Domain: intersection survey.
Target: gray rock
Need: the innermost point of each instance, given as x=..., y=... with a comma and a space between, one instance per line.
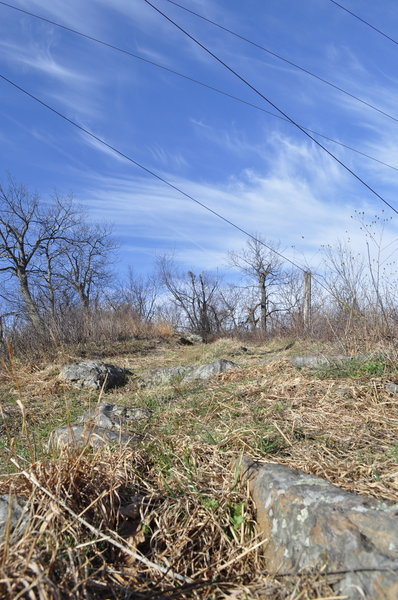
x=311, y=523
x=165, y=375
x=112, y=416
x=13, y=515
x=392, y=388
x=82, y=435
x=187, y=374
x=93, y=373
x=194, y=338
x=343, y=392
x=185, y=342
x=206, y=371
x=318, y=360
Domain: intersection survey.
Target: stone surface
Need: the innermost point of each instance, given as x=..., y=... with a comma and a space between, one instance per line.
x=13, y=515
x=185, y=374
x=206, y=371
x=194, y=338
x=81, y=435
x=318, y=360
x=343, y=392
x=165, y=375
x=112, y=416
x=312, y=523
x=185, y=341
x=392, y=388
x=93, y=373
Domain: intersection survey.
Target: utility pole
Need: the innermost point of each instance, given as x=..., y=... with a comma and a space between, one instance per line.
x=307, y=300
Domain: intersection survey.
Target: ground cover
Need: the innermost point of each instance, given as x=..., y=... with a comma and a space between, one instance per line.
x=188, y=513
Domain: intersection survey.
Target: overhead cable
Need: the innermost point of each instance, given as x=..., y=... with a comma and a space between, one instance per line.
x=364, y=21
x=274, y=54
x=285, y=60
x=280, y=111
x=193, y=80
x=157, y=176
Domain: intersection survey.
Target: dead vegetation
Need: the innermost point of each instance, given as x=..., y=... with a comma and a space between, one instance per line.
x=170, y=518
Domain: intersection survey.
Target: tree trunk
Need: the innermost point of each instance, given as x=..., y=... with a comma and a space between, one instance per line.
x=263, y=302
x=307, y=301
x=30, y=306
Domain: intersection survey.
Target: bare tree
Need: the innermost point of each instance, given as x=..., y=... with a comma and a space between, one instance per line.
x=84, y=260
x=345, y=276
x=139, y=293
x=262, y=267
x=26, y=229
x=195, y=295
x=46, y=250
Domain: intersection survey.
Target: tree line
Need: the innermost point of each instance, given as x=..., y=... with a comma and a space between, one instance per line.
x=56, y=277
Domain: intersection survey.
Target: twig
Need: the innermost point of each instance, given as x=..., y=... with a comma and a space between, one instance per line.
x=241, y=555
x=282, y=434
x=97, y=532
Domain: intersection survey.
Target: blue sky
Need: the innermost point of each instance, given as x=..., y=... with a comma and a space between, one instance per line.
x=258, y=171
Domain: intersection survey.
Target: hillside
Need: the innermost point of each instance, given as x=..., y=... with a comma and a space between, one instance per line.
x=175, y=497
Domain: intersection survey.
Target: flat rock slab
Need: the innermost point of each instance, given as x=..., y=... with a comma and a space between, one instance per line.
x=311, y=523
x=184, y=374
x=93, y=374
x=88, y=435
x=13, y=517
x=165, y=375
x=318, y=360
x=112, y=416
x=392, y=388
x=206, y=371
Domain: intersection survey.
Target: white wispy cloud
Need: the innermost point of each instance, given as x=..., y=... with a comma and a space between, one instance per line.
x=166, y=158
x=284, y=202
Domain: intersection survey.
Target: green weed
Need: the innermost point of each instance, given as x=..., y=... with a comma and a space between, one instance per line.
x=356, y=367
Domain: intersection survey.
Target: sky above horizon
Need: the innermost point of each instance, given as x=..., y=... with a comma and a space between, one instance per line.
x=257, y=170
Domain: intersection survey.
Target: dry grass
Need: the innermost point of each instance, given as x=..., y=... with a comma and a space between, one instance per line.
x=176, y=500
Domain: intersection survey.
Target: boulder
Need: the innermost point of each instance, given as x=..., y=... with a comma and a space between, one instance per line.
x=93, y=373
x=185, y=342
x=392, y=388
x=13, y=515
x=165, y=375
x=343, y=392
x=318, y=360
x=311, y=523
x=112, y=416
x=89, y=435
x=206, y=371
x=185, y=374
x=194, y=338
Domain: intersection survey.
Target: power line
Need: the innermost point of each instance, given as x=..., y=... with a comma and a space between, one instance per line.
x=193, y=80
x=160, y=178
x=280, y=111
x=274, y=54
x=364, y=21
x=285, y=60
x=146, y=169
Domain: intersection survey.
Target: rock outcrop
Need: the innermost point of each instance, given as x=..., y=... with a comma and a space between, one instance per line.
x=112, y=416
x=94, y=374
x=206, y=371
x=104, y=424
x=318, y=360
x=311, y=523
x=73, y=436
x=165, y=375
x=13, y=517
x=184, y=374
